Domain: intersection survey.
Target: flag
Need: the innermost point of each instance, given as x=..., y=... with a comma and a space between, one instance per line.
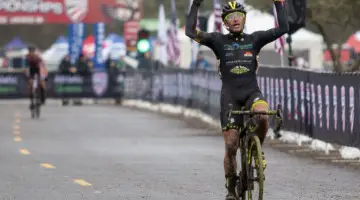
x=173, y=45
x=217, y=15
x=162, y=55
x=280, y=42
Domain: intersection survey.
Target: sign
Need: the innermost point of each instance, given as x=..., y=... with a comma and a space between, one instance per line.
x=131, y=29
x=99, y=33
x=68, y=11
x=100, y=82
x=76, y=36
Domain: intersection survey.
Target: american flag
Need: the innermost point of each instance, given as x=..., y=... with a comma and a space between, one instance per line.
x=280, y=42
x=217, y=13
x=173, y=45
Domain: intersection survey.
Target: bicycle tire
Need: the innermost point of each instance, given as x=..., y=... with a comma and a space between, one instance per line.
x=241, y=184
x=255, y=154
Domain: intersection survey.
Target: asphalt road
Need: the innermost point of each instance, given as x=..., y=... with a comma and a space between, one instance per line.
x=105, y=152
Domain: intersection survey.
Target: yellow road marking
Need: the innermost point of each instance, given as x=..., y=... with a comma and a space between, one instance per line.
x=82, y=182
x=16, y=132
x=17, y=139
x=47, y=165
x=16, y=127
x=25, y=151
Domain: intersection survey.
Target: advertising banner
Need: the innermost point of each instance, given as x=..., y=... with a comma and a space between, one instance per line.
x=76, y=36
x=99, y=34
x=68, y=11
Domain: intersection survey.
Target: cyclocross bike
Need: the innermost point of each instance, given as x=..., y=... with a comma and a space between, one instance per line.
x=35, y=101
x=251, y=158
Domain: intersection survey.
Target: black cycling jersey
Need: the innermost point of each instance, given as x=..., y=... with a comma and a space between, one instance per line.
x=237, y=52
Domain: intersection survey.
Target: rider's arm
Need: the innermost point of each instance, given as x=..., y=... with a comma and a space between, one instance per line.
x=193, y=33
x=265, y=37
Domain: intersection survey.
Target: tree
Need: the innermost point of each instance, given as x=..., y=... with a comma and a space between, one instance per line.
x=335, y=20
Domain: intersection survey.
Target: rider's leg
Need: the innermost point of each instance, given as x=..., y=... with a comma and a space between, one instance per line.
x=42, y=91
x=258, y=103
x=231, y=142
x=231, y=145
x=30, y=86
x=263, y=124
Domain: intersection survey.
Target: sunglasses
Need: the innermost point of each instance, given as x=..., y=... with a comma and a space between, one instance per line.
x=234, y=15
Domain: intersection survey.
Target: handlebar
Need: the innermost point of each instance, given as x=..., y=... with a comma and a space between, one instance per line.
x=277, y=113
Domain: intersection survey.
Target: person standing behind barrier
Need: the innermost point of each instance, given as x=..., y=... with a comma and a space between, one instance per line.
x=200, y=62
x=121, y=65
x=145, y=64
x=82, y=65
x=65, y=65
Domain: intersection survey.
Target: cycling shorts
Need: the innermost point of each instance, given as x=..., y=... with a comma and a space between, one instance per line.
x=236, y=121
x=35, y=71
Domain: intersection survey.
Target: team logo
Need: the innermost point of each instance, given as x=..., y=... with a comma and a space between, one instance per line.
x=327, y=105
x=100, y=82
x=335, y=107
x=296, y=109
x=76, y=10
x=248, y=54
x=320, y=105
x=351, y=111
x=239, y=70
x=343, y=108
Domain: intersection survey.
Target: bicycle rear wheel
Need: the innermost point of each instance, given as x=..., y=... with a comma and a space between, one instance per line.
x=255, y=171
x=37, y=103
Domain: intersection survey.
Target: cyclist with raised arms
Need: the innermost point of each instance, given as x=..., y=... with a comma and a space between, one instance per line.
x=237, y=53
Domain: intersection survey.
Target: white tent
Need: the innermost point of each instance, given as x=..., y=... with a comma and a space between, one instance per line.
x=301, y=40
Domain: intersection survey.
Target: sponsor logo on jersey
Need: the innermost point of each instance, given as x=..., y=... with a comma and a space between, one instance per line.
x=248, y=54
x=239, y=70
x=236, y=46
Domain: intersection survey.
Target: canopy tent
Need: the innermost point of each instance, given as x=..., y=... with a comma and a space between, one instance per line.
x=117, y=47
x=57, y=51
x=15, y=44
x=303, y=39
x=354, y=41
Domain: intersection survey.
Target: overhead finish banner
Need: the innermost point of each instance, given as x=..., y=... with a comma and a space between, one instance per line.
x=68, y=11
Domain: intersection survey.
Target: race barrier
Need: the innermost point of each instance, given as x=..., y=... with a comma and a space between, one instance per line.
x=323, y=106
x=92, y=85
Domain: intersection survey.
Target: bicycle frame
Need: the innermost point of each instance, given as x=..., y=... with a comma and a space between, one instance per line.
x=245, y=177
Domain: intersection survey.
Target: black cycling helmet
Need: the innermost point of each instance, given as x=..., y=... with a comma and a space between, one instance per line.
x=31, y=48
x=232, y=6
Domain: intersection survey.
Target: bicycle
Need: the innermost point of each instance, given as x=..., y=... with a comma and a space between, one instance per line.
x=251, y=154
x=35, y=101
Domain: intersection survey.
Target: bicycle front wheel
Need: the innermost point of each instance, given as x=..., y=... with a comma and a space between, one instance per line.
x=255, y=170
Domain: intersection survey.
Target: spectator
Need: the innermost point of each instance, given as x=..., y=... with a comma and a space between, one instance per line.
x=109, y=63
x=121, y=65
x=65, y=65
x=145, y=63
x=82, y=65
x=200, y=62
